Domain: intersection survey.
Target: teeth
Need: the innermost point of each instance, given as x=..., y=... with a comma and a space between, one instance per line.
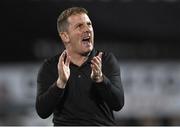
x=86, y=38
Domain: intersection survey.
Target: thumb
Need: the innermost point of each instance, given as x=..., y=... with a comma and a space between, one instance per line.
x=100, y=54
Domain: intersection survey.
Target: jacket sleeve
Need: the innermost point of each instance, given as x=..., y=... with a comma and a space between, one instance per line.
x=48, y=94
x=111, y=89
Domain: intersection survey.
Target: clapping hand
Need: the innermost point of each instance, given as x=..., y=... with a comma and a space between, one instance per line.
x=63, y=69
x=96, y=65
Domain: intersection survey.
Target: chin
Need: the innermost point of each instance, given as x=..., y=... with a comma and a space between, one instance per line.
x=87, y=52
x=89, y=49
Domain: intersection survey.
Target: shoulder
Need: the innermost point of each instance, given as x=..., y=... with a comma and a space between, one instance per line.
x=109, y=59
x=49, y=64
x=51, y=60
x=110, y=64
x=108, y=56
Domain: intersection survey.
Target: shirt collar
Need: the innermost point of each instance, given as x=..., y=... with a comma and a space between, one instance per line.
x=92, y=54
x=88, y=61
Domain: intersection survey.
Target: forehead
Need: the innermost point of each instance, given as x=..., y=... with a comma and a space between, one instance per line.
x=78, y=18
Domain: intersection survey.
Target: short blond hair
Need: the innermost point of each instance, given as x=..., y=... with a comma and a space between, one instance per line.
x=62, y=22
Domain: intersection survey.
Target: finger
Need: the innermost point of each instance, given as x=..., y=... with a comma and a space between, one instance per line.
x=93, y=70
x=93, y=67
x=62, y=57
x=96, y=66
x=96, y=59
x=100, y=54
x=67, y=62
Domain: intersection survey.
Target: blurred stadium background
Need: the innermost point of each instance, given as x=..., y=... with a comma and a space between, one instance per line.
x=143, y=34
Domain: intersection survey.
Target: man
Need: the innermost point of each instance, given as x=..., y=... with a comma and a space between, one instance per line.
x=80, y=86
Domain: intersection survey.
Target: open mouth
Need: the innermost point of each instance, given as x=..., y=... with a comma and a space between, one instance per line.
x=86, y=41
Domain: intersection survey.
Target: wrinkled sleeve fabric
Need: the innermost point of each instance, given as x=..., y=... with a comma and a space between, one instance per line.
x=48, y=94
x=111, y=89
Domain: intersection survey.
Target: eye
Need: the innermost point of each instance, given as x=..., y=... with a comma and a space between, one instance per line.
x=79, y=26
x=89, y=23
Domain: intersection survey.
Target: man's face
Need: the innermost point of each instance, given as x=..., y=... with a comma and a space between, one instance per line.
x=80, y=33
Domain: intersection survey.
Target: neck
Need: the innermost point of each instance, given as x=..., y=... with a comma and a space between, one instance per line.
x=78, y=59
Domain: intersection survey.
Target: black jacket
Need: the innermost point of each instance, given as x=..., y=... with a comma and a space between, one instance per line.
x=82, y=102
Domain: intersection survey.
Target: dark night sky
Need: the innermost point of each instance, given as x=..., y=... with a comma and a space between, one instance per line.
x=24, y=21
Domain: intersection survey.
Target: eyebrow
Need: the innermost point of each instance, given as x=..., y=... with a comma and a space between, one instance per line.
x=88, y=22
x=76, y=25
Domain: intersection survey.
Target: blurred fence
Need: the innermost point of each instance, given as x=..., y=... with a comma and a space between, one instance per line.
x=151, y=91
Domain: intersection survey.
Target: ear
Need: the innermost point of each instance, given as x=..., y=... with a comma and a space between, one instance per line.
x=65, y=37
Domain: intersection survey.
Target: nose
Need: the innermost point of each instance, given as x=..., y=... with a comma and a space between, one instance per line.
x=87, y=28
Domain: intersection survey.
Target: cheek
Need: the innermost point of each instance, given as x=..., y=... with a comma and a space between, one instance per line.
x=77, y=38
x=77, y=44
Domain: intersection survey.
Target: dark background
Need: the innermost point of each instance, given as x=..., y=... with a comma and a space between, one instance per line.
x=145, y=29
x=143, y=34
